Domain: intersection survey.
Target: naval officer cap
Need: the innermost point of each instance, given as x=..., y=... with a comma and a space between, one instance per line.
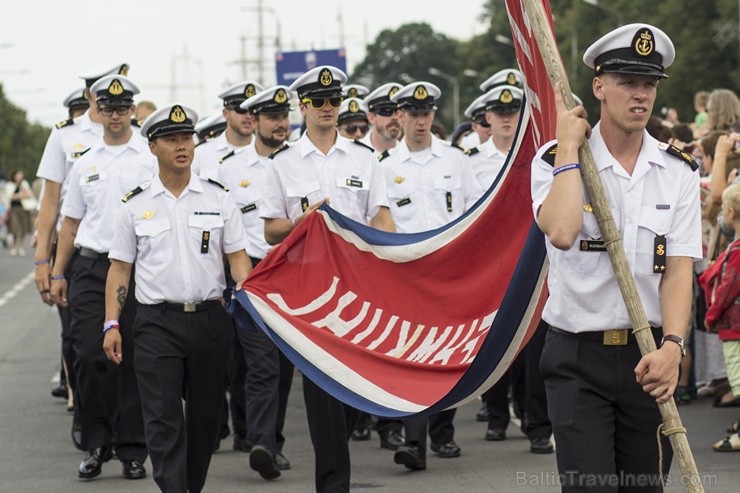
x=639, y=49
x=505, y=77
x=240, y=92
x=273, y=100
x=114, y=89
x=477, y=108
x=355, y=91
x=320, y=82
x=352, y=109
x=172, y=119
x=96, y=73
x=503, y=99
x=76, y=99
x=210, y=125
x=417, y=96
x=381, y=97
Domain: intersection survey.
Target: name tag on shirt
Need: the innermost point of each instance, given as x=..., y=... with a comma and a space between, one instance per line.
x=592, y=246
x=248, y=208
x=403, y=202
x=354, y=183
x=92, y=178
x=207, y=213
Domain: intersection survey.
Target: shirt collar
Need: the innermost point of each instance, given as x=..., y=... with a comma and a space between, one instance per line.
x=649, y=152
x=158, y=187
x=306, y=147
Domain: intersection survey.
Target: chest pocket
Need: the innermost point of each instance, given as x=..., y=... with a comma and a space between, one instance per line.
x=652, y=222
x=308, y=192
x=448, y=191
x=153, y=239
x=206, y=233
x=94, y=185
x=585, y=259
x=403, y=200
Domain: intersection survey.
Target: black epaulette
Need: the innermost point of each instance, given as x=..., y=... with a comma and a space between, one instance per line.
x=279, y=150
x=683, y=156
x=549, y=155
x=227, y=156
x=214, y=182
x=200, y=143
x=383, y=155
x=472, y=151
x=135, y=123
x=135, y=191
x=363, y=145
x=65, y=123
x=457, y=146
x=82, y=153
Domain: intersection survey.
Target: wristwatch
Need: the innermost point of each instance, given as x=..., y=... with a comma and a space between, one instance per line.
x=678, y=340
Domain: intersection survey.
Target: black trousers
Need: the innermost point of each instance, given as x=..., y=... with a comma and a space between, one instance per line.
x=537, y=423
x=330, y=424
x=286, y=380
x=68, y=353
x=108, y=396
x=181, y=354
x=441, y=429
x=604, y=423
x=497, y=397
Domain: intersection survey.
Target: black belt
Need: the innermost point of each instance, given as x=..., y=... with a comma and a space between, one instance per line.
x=611, y=337
x=196, y=306
x=89, y=253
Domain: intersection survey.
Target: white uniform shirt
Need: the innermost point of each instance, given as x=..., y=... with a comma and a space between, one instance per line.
x=165, y=236
x=470, y=140
x=487, y=163
x=243, y=173
x=429, y=189
x=208, y=156
x=96, y=186
x=660, y=198
x=64, y=146
x=349, y=175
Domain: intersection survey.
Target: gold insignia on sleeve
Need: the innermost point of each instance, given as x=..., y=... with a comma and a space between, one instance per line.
x=245, y=183
x=421, y=93
x=398, y=180
x=148, y=214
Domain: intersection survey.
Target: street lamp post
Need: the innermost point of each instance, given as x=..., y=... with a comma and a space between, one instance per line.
x=455, y=92
x=611, y=10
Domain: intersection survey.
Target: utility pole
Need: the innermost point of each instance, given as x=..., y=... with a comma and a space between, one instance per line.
x=259, y=60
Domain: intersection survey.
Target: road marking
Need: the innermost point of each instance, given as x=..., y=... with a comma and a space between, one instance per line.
x=12, y=292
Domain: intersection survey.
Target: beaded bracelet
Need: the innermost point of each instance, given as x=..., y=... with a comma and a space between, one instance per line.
x=565, y=167
x=57, y=278
x=110, y=324
x=41, y=262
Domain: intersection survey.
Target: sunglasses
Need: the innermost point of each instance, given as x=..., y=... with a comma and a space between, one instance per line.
x=319, y=103
x=108, y=110
x=482, y=122
x=239, y=110
x=387, y=111
x=354, y=128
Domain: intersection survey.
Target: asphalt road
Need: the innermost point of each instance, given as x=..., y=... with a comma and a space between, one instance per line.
x=36, y=453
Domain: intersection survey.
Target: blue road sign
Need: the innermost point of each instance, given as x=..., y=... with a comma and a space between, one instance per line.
x=289, y=65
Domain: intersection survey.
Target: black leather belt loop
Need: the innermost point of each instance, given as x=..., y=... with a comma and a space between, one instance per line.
x=89, y=253
x=602, y=336
x=196, y=306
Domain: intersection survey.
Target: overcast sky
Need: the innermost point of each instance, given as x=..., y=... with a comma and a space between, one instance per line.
x=45, y=45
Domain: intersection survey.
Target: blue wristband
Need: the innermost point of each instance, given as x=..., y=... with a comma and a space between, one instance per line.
x=565, y=167
x=41, y=262
x=57, y=278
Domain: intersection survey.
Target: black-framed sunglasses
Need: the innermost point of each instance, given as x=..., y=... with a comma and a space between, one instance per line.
x=238, y=109
x=385, y=111
x=318, y=103
x=482, y=122
x=354, y=128
x=108, y=110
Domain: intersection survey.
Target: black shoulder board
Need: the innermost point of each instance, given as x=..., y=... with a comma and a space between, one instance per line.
x=683, y=156
x=214, y=182
x=363, y=145
x=549, y=155
x=457, y=146
x=200, y=143
x=135, y=191
x=472, y=151
x=82, y=153
x=383, y=155
x=64, y=123
x=226, y=157
x=278, y=150
x=135, y=123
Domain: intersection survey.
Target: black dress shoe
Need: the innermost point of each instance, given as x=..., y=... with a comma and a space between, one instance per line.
x=282, y=463
x=495, y=434
x=361, y=434
x=77, y=436
x=391, y=440
x=242, y=444
x=483, y=414
x=411, y=456
x=133, y=469
x=446, y=450
x=262, y=460
x=92, y=464
x=541, y=446
x=60, y=391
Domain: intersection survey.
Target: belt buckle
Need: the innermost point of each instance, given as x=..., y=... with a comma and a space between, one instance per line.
x=189, y=307
x=616, y=337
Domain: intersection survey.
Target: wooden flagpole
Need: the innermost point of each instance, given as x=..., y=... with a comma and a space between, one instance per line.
x=673, y=427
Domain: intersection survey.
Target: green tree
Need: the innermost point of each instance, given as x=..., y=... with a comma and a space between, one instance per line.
x=21, y=144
